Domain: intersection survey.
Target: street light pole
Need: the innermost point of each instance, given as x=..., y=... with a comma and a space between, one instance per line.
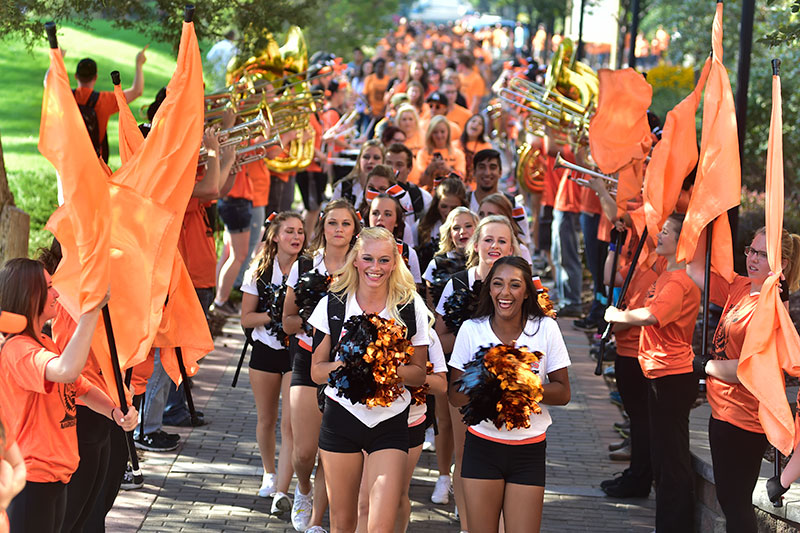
x=580, y=32
x=634, y=33
x=742, y=85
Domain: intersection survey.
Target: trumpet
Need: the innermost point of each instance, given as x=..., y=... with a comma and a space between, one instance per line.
x=257, y=151
x=563, y=163
x=260, y=125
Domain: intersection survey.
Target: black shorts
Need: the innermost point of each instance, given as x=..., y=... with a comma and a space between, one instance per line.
x=312, y=188
x=521, y=464
x=267, y=359
x=341, y=432
x=416, y=434
x=235, y=213
x=301, y=367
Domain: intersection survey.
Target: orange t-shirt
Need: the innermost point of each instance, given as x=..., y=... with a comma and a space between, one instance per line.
x=472, y=86
x=459, y=115
x=453, y=157
x=374, y=89
x=44, y=426
x=455, y=129
x=732, y=402
x=628, y=339
x=242, y=186
x=317, y=125
x=415, y=143
x=590, y=202
x=568, y=196
x=665, y=348
x=329, y=119
x=472, y=148
x=106, y=106
x=259, y=177
x=552, y=177
x=196, y=245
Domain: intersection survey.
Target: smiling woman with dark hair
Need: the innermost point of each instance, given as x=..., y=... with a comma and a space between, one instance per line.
x=503, y=470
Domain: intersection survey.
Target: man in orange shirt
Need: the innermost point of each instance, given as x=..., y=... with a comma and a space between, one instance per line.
x=472, y=84
x=375, y=87
x=455, y=113
x=103, y=104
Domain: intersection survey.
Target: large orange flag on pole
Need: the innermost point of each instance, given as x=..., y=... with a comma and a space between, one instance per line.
x=673, y=158
x=718, y=185
x=82, y=223
x=771, y=344
x=619, y=133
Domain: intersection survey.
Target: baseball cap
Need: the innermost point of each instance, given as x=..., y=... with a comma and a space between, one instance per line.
x=437, y=98
x=12, y=322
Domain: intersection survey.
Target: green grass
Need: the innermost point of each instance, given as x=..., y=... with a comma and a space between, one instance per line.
x=31, y=177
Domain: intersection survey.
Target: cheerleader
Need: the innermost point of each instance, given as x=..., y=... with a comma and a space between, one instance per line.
x=381, y=179
x=735, y=434
x=386, y=212
x=494, y=238
x=352, y=186
x=270, y=360
x=450, y=258
x=499, y=204
x=448, y=194
x=373, y=280
x=333, y=238
x=503, y=471
x=665, y=355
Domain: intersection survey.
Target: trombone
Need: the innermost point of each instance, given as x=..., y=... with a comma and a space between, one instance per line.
x=563, y=163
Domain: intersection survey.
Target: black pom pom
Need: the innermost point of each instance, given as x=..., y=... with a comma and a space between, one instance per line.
x=444, y=270
x=354, y=379
x=483, y=389
x=459, y=306
x=310, y=289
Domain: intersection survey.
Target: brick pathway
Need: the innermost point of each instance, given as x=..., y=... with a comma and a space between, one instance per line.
x=210, y=482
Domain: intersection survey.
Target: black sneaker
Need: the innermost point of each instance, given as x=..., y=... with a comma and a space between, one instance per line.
x=775, y=490
x=158, y=441
x=627, y=488
x=131, y=481
x=585, y=324
x=617, y=477
x=571, y=310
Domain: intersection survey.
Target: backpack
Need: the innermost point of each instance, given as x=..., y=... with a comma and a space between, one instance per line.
x=347, y=192
x=92, y=123
x=417, y=202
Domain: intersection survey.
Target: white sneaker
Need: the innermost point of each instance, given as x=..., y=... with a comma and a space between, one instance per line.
x=301, y=510
x=316, y=529
x=441, y=492
x=430, y=441
x=267, y=485
x=281, y=504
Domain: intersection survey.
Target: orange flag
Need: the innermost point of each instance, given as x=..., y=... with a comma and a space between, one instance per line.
x=673, y=158
x=771, y=344
x=130, y=136
x=83, y=231
x=619, y=134
x=718, y=185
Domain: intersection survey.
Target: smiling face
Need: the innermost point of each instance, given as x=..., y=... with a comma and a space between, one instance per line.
x=375, y=262
x=417, y=71
x=508, y=292
x=462, y=230
x=383, y=213
x=49, y=311
x=290, y=236
x=487, y=173
x=494, y=242
x=446, y=204
x=339, y=228
x=370, y=158
x=440, y=136
x=414, y=93
x=668, y=238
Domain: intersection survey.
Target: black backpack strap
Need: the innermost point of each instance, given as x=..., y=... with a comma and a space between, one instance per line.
x=417, y=202
x=336, y=310
x=347, y=192
x=304, y=264
x=462, y=278
x=409, y=315
x=92, y=101
x=511, y=199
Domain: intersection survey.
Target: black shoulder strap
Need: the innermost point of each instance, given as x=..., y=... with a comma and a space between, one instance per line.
x=461, y=278
x=336, y=310
x=304, y=264
x=409, y=315
x=510, y=199
x=92, y=101
x=417, y=202
x=347, y=191
x=404, y=251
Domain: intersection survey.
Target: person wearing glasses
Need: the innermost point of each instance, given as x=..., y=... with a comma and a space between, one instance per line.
x=734, y=432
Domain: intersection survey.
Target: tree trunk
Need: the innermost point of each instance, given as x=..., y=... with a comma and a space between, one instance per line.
x=14, y=222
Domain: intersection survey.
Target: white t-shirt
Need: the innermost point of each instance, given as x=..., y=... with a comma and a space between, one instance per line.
x=435, y=356
x=294, y=276
x=357, y=192
x=413, y=264
x=541, y=335
x=371, y=416
x=250, y=286
x=448, y=289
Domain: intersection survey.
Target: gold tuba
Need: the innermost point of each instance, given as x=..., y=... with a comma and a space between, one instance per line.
x=530, y=170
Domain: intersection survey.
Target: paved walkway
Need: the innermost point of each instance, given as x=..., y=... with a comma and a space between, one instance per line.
x=210, y=482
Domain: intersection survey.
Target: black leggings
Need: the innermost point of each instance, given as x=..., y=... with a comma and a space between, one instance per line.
x=40, y=507
x=736, y=454
x=632, y=386
x=670, y=399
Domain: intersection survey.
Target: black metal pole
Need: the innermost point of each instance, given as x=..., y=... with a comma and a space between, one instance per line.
x=241, y=360
x=614, y=262
x=186, y=388
x=622, y=292
x=123, y=402
x=777, y=471
x=633, y=34
x=580, y=32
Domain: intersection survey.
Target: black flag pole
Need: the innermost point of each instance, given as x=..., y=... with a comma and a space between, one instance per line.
x=186, y=388
x=607, y=333
x=614, y=262
x=241, y=358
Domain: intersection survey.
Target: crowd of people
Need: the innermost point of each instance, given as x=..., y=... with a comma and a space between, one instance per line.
x=425, y=225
